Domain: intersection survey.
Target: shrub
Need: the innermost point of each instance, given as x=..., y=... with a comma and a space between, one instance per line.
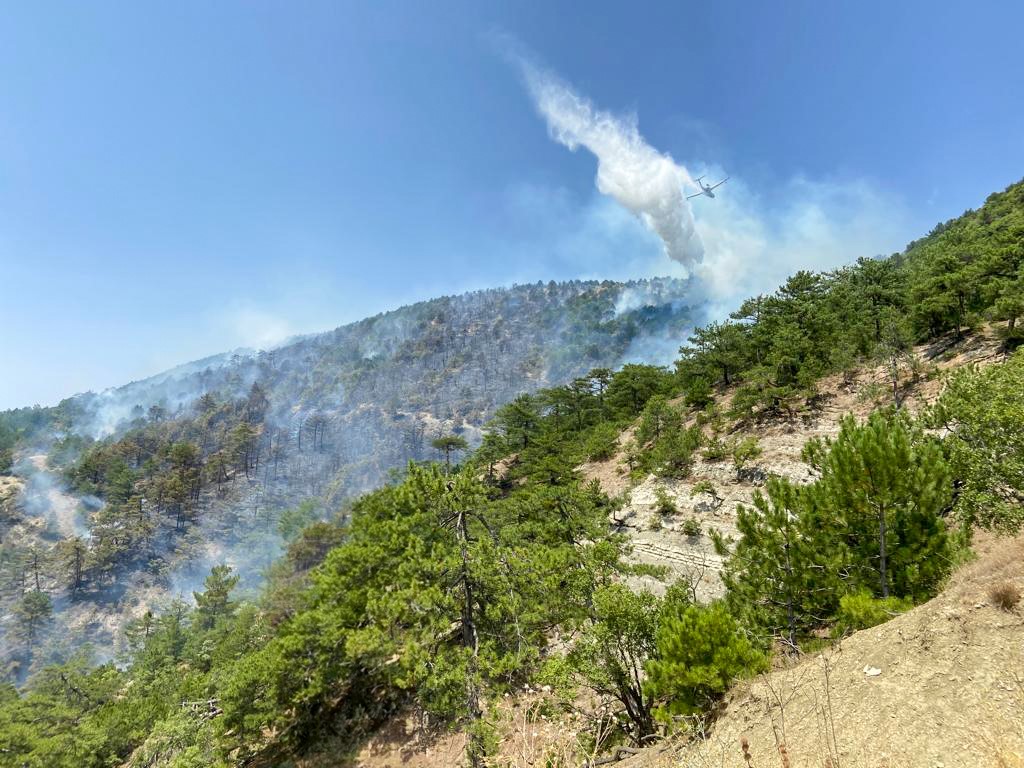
x=673, y=452
x=861, y=611
x=603, y=441
x=700, y=650
x=745, y=452
x=716, y=449
x=692, y=527
x=872, y=392
x=665, y=504
x=704, y=486
x=1004, y=596
x=981, y=412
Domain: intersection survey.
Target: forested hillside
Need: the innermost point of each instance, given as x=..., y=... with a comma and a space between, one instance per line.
x=123, y=499
x=474, y=580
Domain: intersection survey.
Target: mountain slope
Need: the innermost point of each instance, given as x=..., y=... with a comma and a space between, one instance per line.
x=193, y=467
x=450, y=596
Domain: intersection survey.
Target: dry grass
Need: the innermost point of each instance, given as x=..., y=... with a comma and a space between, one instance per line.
x=1004, y=595
x=950, y=693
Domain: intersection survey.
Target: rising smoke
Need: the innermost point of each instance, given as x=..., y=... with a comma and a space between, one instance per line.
x=742, y=244
x=646, y=182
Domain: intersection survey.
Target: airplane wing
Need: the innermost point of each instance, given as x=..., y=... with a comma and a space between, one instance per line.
x=690, y=197
x=721, y=183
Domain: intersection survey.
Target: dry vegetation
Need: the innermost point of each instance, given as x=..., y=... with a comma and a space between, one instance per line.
x=940, y=685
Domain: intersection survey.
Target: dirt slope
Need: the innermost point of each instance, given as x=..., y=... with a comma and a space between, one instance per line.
x=942, y=685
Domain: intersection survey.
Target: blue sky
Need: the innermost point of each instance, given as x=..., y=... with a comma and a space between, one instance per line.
x=178, y=179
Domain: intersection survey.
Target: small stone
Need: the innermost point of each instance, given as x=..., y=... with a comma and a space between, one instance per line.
x=872, y=671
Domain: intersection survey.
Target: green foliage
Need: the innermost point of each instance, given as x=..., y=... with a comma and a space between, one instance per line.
x=446, y=587
x=744, y=452
x=439, y=595
x=968, y=266
x=664, y=505
x=602, y=442
x=983, y=412
x=664, y=445
x=698, y=393
x=773, y=574
x=609, y=656
x=295, y=519
x=32, y=611
x=634, y=385
x=776, y=346
x=449, y=444
x=213, y=604
x=716, y=449
x=888, y=485
x=862, y=610
x=699, y=651
x=872, y=522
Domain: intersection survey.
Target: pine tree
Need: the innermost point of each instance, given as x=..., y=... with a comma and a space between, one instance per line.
x=214, y=603
x=32, y=611
x=780, y=575
x=698, y=652
x=888, y=485
x=983, y=412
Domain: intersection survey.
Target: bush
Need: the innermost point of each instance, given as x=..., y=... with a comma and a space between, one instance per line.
x=665, y=504
x=981, y=412
x=861, y=611
x=1004, y=596
x=603, y=441
x=745, y=452
x=692, y=527
x=673, y=453
x=704, y=486
x=700, y=650
x=716, y=449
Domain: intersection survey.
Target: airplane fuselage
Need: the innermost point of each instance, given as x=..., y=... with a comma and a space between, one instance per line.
x=706, y=189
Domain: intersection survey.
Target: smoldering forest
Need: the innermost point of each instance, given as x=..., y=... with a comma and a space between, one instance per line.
x=127, y=498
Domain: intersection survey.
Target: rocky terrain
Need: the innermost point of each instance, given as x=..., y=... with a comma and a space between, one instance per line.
x=663, y=541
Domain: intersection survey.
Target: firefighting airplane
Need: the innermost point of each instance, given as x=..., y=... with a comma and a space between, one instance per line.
x=706, y=189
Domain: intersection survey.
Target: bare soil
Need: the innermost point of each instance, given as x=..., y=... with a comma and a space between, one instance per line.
x=942, y=685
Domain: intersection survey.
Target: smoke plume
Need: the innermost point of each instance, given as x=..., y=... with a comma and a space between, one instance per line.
x=646, y=182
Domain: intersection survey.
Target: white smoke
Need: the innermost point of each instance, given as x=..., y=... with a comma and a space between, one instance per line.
x=755, y=241
x=742, y=244
x=646, y=182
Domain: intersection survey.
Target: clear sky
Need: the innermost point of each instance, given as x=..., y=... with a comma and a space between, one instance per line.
x=182, y=178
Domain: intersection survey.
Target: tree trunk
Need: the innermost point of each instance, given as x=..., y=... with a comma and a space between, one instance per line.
x=882, y=554
x=790, y=609
x=475, y=750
